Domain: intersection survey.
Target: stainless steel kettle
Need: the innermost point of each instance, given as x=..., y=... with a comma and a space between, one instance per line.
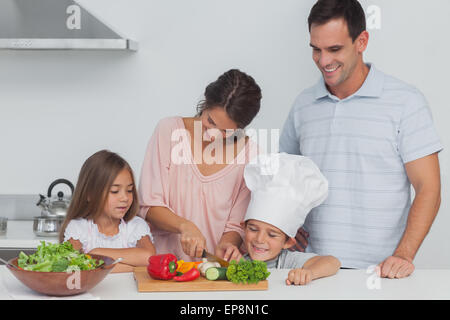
x=55, y=206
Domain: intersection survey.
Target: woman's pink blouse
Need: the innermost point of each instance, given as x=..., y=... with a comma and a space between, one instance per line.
x=169, y=178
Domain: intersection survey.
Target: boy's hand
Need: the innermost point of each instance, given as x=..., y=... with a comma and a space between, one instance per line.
x=299, y=276
x=228, y=252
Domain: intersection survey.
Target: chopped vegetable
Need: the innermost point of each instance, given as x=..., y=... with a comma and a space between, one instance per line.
x=59, y=257
x=162, y=266
x=179, y=263
x=205, y=265
x=216, y=273
x=188, y=276
x=60, y=265
x=246, y=271
x=185, y=266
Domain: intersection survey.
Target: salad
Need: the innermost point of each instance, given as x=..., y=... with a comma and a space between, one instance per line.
x=58, y=257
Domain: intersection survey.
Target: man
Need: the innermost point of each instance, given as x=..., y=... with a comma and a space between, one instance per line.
x=372, y=136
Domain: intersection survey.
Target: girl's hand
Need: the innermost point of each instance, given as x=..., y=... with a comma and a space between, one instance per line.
x=121, y=267
x=192, y=240
x=228, y=252
x=299, y=276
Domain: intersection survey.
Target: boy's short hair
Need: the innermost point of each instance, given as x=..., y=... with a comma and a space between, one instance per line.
x=350, y=10
x=287, y=237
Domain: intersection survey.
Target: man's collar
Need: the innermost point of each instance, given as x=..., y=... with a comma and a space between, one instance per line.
x=321, y=89
x=372, y=86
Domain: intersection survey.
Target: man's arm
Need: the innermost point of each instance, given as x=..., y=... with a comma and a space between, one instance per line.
x=424, y=175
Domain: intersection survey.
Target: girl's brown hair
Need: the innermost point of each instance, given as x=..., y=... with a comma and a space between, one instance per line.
x=94, y=182
x=237, y=93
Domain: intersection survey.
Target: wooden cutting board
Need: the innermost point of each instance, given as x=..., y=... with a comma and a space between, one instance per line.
x=145, y=283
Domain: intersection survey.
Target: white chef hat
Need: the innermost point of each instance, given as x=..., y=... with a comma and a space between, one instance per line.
x=284, y=188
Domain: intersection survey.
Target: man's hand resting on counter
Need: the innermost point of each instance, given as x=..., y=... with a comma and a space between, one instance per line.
x=396, y=267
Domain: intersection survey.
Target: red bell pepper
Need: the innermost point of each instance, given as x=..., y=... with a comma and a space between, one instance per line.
x=188, y=276
x=162, y=266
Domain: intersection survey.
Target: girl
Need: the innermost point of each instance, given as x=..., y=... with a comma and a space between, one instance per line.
x=102, y=217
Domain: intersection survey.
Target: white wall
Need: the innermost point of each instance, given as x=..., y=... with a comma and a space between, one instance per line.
x=59, y=107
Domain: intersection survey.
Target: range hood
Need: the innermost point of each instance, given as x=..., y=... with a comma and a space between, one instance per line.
x=55, y=24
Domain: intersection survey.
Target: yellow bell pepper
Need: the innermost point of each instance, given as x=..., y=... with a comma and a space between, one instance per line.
x=179, y=263
x=184, y=266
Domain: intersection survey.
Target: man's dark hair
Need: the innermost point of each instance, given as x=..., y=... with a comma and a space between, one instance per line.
x=350, y=10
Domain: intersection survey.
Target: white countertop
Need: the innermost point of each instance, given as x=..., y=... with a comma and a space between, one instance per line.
x=346, y=284
x=20, y=234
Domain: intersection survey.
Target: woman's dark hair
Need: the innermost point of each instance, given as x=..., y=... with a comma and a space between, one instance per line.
x=350, y=10
x=237, y=93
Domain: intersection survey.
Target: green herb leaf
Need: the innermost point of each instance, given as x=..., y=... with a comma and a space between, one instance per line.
x=246, y=271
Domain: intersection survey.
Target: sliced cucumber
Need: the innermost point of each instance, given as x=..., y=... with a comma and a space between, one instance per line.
x=216, y=273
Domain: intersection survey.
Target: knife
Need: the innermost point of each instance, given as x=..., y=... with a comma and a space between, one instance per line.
x=211, y=257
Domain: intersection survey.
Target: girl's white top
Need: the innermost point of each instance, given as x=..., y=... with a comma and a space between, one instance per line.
x=86, y=231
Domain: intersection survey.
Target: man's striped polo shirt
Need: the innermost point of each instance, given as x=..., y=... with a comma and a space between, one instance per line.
x=361, y=144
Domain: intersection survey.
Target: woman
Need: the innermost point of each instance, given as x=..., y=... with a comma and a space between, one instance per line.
x=196, y=200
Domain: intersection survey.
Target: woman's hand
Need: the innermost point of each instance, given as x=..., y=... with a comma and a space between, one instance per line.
x=192, y=240
x=228, y=246
x=299, y=276
x=228, y=252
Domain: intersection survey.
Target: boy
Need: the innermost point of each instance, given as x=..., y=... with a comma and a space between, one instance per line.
x=284, y=189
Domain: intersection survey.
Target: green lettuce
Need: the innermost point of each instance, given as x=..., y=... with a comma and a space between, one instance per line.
x=58, y=257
